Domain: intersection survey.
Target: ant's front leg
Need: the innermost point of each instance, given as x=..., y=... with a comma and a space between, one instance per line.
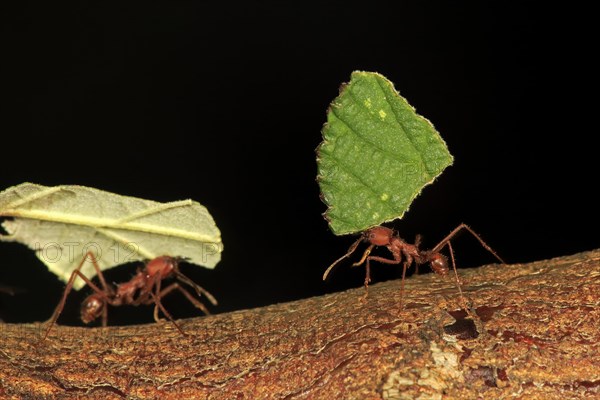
x=366, y=257
x=382, y=260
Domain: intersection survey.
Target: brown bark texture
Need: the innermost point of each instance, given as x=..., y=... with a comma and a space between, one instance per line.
x=532, y=333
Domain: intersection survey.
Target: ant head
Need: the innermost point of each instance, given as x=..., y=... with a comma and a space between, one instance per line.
x=378, y=236
x=91, y=308
x=439, y=264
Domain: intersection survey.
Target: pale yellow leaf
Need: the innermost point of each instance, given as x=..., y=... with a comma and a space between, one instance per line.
x=63, y=223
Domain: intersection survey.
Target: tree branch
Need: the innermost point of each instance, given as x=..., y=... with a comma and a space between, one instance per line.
x=535, y=335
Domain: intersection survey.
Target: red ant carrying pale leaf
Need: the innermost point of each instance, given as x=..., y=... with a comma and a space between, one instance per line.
x=408, y=253
x=143, y=288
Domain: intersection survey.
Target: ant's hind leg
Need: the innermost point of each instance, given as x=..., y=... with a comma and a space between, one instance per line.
x=463, y=299
x=445, y=241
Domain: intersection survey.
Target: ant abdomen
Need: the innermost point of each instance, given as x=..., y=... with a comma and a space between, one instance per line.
x=439, y=264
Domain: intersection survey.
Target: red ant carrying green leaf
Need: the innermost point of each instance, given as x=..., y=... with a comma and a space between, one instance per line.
x=376, y=156
x=407, y=254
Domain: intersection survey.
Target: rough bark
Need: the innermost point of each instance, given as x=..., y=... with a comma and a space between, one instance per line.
x=535, y=334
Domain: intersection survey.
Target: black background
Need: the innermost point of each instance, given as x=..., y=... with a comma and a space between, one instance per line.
x=224, y=104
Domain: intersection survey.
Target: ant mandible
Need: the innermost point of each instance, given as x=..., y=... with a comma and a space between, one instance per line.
x=409, y=253
x=143, y=288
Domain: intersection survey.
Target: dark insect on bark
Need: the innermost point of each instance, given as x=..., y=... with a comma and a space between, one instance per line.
x=144, y=288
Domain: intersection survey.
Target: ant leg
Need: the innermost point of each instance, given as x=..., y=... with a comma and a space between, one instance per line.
x=418, y=239
x=76, y=273
x=188, y=295
x=364, y=256
x=351, y=250
x=404, y=268
x=459, y=284
x=105, y=315
x=164, y=310
x=158, y=305
x=367, y=258
x=155, y=298
x=446, y=242
x=199, y=289
x=367, y=273
x=394, y=261
x=384, y=260
x=462, y=226
x=374, y=258
x=381, y=260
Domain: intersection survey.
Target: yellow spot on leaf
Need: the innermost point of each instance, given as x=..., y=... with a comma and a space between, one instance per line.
x=368, y=102
x=385, y=197
x=382, y=114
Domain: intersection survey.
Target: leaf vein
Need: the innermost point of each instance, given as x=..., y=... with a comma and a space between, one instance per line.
x=349, y=170
x=408, y=136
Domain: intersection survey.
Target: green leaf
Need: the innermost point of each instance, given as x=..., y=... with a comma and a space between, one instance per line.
x=62, y=223
x=376, y=156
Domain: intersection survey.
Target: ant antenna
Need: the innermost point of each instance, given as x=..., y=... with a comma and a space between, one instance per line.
x=351, y=250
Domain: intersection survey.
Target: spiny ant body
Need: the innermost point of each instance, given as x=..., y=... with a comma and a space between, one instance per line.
x=143, y=288
x=406, y=253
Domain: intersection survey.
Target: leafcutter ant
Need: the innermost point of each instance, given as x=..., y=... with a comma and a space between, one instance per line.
x=143, y=288
x=406, y=253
